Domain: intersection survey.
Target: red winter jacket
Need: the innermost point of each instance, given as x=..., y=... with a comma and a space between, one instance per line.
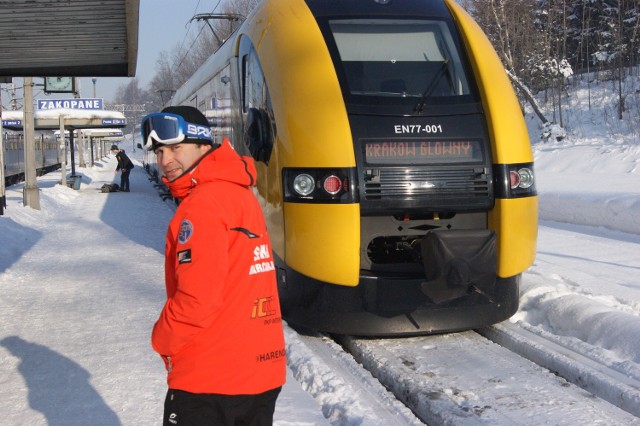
x=220, y=330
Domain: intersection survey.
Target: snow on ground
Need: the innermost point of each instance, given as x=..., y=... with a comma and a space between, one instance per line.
x=584, y=288
x=81, y=285
x=80, y=288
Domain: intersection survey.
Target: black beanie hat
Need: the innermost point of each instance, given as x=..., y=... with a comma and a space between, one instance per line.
x=190, y=114
x=114, y=147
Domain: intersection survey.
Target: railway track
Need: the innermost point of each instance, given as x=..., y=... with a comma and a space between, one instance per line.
x=604, y=381
x=501, y=375
x=347, y=392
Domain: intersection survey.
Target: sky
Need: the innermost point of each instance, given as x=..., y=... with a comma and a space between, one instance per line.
x=163, y=24
x=81, y=285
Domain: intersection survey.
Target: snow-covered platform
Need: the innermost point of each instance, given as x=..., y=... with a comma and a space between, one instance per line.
x=81, y=284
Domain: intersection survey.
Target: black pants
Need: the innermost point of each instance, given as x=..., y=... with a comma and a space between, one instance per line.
x=124, y=180
x=199, y=409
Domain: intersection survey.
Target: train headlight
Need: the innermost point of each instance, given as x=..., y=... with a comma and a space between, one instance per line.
x=526, y=177
x=303, y=184
x=514, y=180
x=522, y=178
x=319, y=185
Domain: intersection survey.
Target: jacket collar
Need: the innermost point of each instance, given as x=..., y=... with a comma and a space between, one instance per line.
x=219, y=164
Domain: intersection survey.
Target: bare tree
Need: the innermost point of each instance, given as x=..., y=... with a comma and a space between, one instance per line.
x=175, y=67
x=509, y=26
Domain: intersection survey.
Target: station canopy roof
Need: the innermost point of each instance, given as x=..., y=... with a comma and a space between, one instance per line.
x=107, y=134
x=71, y=38
x=74, y=119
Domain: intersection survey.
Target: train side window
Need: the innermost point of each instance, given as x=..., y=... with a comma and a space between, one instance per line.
x=253, y=82
x=219, y=111
x=258, y=115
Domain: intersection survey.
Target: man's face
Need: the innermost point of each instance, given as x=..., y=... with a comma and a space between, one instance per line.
x=173, y=160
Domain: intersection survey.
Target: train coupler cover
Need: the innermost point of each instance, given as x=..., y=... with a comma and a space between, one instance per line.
x=458, y=262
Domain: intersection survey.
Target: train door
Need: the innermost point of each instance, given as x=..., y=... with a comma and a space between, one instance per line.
x=259, y=134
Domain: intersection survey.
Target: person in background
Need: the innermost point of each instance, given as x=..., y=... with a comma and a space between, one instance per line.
x=220, y=331
x=124, y=166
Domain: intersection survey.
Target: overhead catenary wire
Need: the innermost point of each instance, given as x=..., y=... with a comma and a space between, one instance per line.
x=188, y=25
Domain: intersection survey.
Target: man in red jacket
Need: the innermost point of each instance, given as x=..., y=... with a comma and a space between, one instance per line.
x=220, y=332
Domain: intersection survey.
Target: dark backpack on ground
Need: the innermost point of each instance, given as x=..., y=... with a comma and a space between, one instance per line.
x=110, y=187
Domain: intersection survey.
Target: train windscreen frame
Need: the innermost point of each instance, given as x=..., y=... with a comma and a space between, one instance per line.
x=415, y=60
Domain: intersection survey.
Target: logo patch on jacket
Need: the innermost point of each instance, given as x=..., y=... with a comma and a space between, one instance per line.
x=184, y=256
x=185, y=232
x=262, y=259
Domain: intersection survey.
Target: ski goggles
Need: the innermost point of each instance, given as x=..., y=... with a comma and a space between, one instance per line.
x=168, y=129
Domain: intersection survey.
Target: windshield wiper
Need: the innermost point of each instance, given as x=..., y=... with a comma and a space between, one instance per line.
x=432, y=85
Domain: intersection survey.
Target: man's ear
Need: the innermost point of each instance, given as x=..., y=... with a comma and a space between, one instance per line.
x=205, y=147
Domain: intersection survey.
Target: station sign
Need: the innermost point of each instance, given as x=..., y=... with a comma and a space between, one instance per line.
x=12, y=123
x=114, y=122
x=76, y=103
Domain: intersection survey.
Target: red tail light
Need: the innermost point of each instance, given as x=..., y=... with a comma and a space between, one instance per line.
x=332, y=184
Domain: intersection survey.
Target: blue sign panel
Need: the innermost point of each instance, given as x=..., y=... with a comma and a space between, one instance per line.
x=12, y=123
x=93, y=103
x=114, y=122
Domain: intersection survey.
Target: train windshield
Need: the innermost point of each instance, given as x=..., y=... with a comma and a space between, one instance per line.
x=399, y=58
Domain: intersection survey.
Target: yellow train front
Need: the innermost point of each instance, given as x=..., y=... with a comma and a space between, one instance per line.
x=394, y=165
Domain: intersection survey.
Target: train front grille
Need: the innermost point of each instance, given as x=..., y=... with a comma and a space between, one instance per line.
x=434, y=188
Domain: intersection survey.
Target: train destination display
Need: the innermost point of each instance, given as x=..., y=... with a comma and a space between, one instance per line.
x=423, y=152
